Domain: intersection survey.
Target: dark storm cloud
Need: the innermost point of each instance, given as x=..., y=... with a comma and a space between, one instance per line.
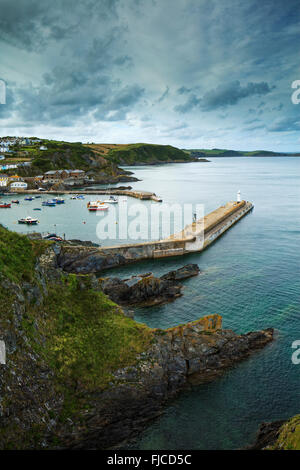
x=106, y=61
x=84, y=77
x=30, y=24
x=227, y=94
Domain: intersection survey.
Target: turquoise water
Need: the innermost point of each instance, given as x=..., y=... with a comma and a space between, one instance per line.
x=250, y=276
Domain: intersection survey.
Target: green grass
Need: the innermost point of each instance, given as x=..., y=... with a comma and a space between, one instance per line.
x=18, y=255
x=80, y=334
x=83, y=337
x=289, y=437
x=87, y=335
x=146, y=153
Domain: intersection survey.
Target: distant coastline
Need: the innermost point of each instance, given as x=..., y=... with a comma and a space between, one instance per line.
x=205, y=153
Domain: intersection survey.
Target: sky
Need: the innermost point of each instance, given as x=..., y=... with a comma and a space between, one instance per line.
x=189, y=73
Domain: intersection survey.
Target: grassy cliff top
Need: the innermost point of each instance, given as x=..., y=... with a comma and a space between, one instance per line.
x=141, y=153
x=289, y=437
x=18, y=255
x=58, y=155
x=77, y=330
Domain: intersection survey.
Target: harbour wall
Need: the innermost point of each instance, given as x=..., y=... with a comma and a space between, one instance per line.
x=194, y=238
x=143, y=195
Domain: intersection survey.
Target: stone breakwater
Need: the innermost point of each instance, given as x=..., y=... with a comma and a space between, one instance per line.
x=142, y=195
x=195, y=237
x=197, y=352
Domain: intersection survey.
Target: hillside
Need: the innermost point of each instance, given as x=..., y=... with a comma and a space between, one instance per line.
x=278, y=435
x=196, y=153
x=59, y=349
x=141, y=154
x=63, y=155
x=80, y=374
x=289, y=435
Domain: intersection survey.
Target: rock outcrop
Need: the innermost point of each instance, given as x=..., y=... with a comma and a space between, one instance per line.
x=146, y=289
x=193, y=352
x=278, y=435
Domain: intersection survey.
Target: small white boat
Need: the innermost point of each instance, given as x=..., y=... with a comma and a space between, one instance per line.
x=94, y=206
x=111, y=200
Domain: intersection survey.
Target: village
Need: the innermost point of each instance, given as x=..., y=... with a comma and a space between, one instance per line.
x=16, y=153
x=50, y=178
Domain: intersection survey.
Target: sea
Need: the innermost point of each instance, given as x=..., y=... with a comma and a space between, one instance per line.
x=250, y=276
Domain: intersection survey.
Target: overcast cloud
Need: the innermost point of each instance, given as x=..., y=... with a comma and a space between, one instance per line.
x=192, y=73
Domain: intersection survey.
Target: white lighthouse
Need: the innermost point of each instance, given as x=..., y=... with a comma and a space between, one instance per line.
x=239, y=196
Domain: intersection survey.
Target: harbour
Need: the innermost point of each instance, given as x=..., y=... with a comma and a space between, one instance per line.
x=244, y=278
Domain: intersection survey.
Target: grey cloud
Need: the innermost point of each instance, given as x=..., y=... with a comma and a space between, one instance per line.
x=164, y=95
x=191, y=103
x=30, y=24
x=285, y=124
x=183, y=90
x=98, y=60
x=227, y=94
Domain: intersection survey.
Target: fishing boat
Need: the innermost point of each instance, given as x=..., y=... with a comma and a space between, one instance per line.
x=49, y=203
x=97, y=206
x=111, y=200
x=5, y=205
x=15, y=201
x=37, y=209
x=29, y=198
x=80, y=196
x=58, y=200
x=28, y=221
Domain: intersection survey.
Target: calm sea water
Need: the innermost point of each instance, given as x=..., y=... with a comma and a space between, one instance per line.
x=250, y=276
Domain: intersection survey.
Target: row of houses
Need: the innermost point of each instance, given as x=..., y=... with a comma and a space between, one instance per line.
x=14, y=182
x=55, y=176
x=6, y=143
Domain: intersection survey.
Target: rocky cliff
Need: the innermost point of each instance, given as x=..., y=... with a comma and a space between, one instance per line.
x=79, y=373
x=279, y=435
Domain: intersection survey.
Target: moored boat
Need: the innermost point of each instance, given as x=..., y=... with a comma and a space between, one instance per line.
x=49, y=203
x=111, y=200
x=29, y=198
x=28, y=221
x=5, y=205
x=15, y=201
x=94, y=206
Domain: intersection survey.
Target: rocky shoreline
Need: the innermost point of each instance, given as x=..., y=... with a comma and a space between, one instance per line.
x=177, y=356
x=278, y=435
x=38, y=410
x=147, y=290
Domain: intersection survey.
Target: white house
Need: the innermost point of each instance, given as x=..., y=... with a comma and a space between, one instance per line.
x=19, y=185
x=3, y=181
